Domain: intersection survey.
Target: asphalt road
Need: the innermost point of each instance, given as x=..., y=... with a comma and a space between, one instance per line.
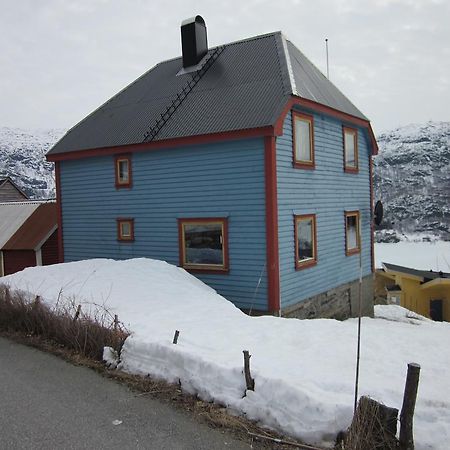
x=47, y=403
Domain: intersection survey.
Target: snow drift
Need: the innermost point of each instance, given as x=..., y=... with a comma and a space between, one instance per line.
x=303, y=369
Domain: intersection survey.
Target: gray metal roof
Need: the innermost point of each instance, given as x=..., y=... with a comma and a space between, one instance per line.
x=425, y=274
x=246, y=87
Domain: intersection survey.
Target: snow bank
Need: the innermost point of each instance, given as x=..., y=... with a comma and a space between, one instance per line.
x=303, y=370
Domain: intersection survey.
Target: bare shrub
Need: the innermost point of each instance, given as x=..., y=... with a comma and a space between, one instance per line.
x=87, y=334
x=373, y=427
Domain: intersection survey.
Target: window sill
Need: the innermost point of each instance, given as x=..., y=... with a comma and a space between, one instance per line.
x=305, y=264
x=352, y=251
x=304, y=165
x=351, y=169
x=207, y=270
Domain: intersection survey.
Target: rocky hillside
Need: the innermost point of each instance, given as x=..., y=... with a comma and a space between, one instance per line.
x=412, y=178
x=22, y=157
x=412, y=175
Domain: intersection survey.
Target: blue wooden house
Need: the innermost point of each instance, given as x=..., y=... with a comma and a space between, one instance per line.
x=241, y=163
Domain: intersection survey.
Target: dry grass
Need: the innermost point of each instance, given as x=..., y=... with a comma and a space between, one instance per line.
x=371, y=428
x=84, y=334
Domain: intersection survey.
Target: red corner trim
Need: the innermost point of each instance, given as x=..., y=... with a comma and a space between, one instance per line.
x=317, y=107
x=59, y=213
x=168, y=143
x=273, y=269
x=372, y=230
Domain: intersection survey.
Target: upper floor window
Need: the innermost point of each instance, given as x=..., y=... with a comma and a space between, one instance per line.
x=303, y=140
x=352, y=233
x=123, y=171
x=350, y=149
x=203, y=244
x=125, y=229
x=305, y=241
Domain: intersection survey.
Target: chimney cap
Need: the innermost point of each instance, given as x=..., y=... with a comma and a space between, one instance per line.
x=195, y=19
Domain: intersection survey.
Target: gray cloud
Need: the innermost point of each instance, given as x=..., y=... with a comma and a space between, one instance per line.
x=61, y=59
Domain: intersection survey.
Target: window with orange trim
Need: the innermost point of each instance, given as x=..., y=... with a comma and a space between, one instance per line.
x=123, y=171
x=125, y=230
x=305, y=241
x=350, y=136
x=352, y=233
x=204, y=244
x=303, y=140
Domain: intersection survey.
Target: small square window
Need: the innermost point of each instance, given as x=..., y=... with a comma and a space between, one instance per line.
x=305, y=241
x=350, y=149
x=352, y=233
x=303, y=140
x=123, y=171
x=203, y=244
x=125, y=229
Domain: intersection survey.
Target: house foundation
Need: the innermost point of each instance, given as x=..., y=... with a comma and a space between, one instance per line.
x=338, y=303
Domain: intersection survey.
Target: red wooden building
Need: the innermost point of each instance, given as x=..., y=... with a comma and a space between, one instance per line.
x=28, y=235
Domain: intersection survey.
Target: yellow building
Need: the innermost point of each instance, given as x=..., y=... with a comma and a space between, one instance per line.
x=425, y=292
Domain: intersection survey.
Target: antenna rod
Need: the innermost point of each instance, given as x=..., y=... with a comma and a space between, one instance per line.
x=328, y=70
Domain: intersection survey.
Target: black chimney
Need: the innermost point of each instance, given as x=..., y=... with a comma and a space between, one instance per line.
x=193, y=40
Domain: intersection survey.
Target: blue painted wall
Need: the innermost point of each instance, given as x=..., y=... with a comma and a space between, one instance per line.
x=216, y=180
x=326, y=191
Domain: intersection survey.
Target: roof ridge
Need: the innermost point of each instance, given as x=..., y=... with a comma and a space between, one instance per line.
x=28, y=202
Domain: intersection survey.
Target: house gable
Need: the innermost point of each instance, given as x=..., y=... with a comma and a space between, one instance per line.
x=9, y=192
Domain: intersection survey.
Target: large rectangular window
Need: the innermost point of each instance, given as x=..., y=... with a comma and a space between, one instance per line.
x=352, y=234
x=123, y=171
x=350, y=149
x=305, y=241
x=303, y=140
x=204, y=244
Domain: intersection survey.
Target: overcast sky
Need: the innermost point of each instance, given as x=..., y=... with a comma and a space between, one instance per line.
x=60, y=59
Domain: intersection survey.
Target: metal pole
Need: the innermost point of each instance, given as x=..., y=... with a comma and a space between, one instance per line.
x=358, y=351
x=326, y=46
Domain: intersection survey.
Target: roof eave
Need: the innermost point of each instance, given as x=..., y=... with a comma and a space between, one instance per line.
x=318, y=107
x=166, y=143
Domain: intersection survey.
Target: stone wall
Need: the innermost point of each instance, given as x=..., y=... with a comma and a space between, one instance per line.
x=338, y=303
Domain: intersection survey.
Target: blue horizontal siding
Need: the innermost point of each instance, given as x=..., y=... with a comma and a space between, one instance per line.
x=326, y=191
x=217, y=180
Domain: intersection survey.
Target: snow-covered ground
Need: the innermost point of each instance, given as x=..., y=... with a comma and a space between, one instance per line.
x=418, y=255
x=304, y=369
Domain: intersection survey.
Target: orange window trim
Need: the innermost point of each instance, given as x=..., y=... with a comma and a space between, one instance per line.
x=357, y=249
x=298, y=163
x=354, y=132
x=299, y=265
x=119, y=182
x=120, y=236
x=204, y=268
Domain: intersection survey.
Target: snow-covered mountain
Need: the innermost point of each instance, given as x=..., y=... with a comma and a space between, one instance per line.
x=22, y=157
x=411, y=174
x=412, y=178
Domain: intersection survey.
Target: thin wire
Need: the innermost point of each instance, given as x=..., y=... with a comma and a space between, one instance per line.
x=256, y=290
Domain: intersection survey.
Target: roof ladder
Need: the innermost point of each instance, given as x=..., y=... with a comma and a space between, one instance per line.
x=181, y=95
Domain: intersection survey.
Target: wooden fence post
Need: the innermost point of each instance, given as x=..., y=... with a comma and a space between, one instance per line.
x=77, y=313
x=249, y=381
x=409, y=403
